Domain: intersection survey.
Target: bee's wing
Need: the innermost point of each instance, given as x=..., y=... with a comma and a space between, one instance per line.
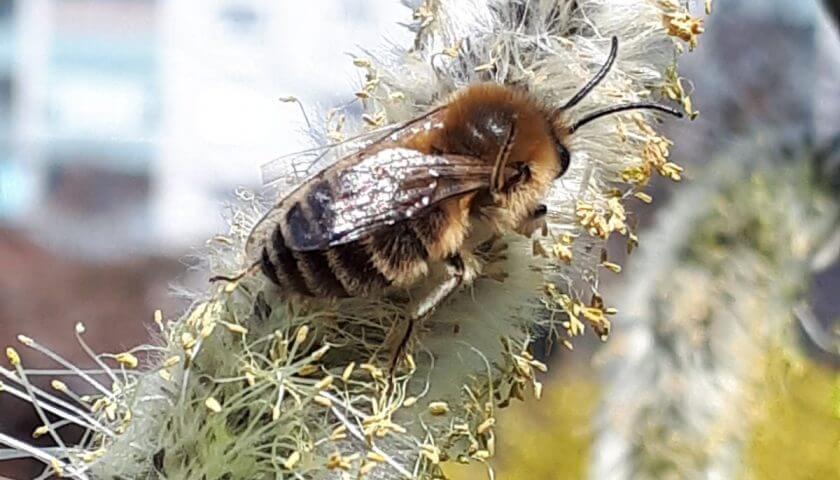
x=300, y=165
x=377, y=191
x=297, y=166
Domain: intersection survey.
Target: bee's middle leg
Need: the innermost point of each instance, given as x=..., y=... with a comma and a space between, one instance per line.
x=461, y=269
x=460, y=272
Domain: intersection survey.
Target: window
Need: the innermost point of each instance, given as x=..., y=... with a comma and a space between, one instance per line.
x=81, y=190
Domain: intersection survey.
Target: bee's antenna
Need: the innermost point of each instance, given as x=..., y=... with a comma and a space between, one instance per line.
x=595, y=80
x=622, y=108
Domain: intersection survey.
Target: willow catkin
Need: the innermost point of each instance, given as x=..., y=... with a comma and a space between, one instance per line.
x=719, y=282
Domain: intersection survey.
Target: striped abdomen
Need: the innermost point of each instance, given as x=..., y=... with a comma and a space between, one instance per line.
x=396, y=255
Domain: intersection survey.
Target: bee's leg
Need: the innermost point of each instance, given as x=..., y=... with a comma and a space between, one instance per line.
x=492, y=254
x=401, y=349
x=487, y=247
x=237, y=277
x=523, y=174
x=534, y=222
x=497, y=178
x=460, y=272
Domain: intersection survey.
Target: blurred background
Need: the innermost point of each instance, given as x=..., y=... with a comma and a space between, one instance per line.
x=126, y=125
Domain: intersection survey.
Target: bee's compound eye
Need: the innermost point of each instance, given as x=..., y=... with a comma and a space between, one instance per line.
x=564, y=157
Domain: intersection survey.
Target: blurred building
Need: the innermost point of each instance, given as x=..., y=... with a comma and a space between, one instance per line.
x=125, y=125
x=81, y=115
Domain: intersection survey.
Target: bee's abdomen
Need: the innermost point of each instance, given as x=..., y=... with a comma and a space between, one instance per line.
x=304, y=273
x=319, y=275
x=279, y=264
x=395, y=255
x=353, y=266
x=342, y=271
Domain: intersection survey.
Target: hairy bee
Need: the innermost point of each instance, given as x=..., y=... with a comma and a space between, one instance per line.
x=430, y=192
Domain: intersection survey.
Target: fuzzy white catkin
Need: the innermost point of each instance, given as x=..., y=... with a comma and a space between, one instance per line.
x=249, y=386
x=719, y=278
x=705, y=375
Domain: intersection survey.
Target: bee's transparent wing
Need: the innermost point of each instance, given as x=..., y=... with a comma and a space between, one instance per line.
x=298, y=166
x=377, y=191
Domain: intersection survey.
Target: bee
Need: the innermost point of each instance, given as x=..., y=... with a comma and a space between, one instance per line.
x=428, y=194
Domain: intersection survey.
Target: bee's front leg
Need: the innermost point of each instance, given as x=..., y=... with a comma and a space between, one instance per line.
x=521, y=175
x=535, y=221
